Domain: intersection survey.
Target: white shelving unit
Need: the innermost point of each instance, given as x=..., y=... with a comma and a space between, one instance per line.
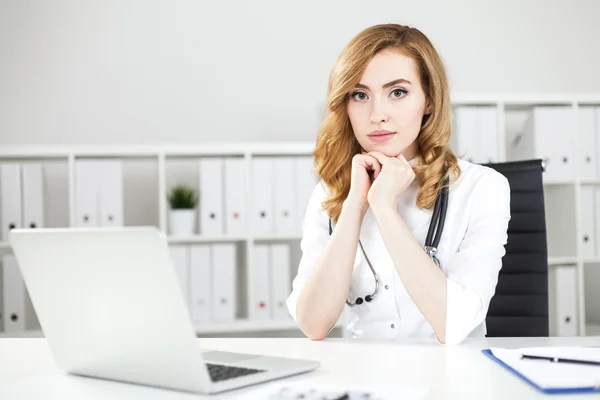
x=160, y=158
x=510, y=110
x=563, y=195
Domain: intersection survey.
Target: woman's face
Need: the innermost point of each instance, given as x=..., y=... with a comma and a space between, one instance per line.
x=386, y=107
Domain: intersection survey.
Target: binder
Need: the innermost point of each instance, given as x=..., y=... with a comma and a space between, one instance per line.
x=262, y=196
x=223, y=270
x=306, y=180
x=565, y=280
x=33, y=196
x=110, y=188
x=586, y=154
x=10, y=198
x=211, y=196
x=200, y=281
x=180, y=259
x=588, y=228
x=487, y=129
x=284, y=180
x=563, y=390
x=86, y=193
x=466, y=142
x=236, y=213
x=597, y=135
x=553, y=128
x=281, y=285
x=261, y=303
x=14, y=292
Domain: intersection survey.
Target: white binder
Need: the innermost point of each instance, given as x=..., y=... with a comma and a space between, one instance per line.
x=86, y=193
x=223, y=270
x=588, y=228
x=33, y=195
x=466, y=140
x=10, y=198
x=586, y=154
x=488, y=131
x=566, y=300
x=110, y=190
x=284, y=187
x=200, y=282
x=211, y=196
x=281, y=285
x=306, y=180
x=597, y=136
x=548, y=134
x=261, y=303
x=236, y=212
x=14, y=292
x=180, y=259
x=262, y=196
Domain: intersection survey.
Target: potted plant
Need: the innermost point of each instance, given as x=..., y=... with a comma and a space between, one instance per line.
x=183, y=200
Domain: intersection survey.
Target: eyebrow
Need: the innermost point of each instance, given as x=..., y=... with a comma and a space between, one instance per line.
x=387, y=85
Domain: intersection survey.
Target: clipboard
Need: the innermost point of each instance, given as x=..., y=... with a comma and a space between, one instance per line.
x=566, y=390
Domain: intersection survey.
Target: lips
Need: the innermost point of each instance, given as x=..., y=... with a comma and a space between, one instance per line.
x=380, y=132
x=381, y=136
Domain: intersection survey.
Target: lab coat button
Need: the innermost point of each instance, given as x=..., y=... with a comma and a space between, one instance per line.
x=392, y=326
x=387, y=287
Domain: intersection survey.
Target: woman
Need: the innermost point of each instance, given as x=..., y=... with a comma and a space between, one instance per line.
x=383, y=158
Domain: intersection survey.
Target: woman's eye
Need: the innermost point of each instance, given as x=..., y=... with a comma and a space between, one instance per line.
x=398, y=93
x=360, y=96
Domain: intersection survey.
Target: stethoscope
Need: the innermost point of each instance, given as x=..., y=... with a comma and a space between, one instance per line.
x=432, y=240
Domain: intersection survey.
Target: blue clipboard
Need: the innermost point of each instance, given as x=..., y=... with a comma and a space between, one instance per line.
x=571, y=390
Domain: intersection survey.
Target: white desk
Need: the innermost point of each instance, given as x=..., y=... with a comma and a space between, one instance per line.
x=27, y=370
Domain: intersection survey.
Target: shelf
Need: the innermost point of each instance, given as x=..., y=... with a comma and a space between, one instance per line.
x=591, y=260
x=559, y=182
x=590, y=181
x=276, y=237
x=592, y=330
x=203, y=239
x=24, y=334
x=562, y=260
x=226, y=149
x=4, y=245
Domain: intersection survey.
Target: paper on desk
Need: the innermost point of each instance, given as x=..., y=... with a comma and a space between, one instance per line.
x=551, y=375
x=288, y=391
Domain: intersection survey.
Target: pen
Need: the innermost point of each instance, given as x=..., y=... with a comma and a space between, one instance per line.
x=559, y=360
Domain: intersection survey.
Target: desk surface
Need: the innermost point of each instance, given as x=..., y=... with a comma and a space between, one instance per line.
x=27, y=370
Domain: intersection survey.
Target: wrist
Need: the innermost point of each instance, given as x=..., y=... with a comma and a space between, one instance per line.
x=356, y=204
x=383, y=209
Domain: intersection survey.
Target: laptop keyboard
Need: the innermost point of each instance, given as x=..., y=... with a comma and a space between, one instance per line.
x=220, y=372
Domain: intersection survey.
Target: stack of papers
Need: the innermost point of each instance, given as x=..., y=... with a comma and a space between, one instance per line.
x=319, y=391
x=553, y=376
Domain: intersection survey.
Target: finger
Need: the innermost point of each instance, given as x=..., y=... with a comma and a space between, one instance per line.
x=383, y=159
x=370, y=163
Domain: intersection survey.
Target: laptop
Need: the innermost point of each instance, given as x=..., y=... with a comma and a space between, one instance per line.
x=110, y=306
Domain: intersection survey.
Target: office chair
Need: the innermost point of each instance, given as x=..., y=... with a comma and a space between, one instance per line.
x=520, y=304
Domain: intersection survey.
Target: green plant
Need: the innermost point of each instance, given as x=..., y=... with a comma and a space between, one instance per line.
x=182, y=197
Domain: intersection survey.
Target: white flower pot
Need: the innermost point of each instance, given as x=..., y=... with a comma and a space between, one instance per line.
x=182, y=222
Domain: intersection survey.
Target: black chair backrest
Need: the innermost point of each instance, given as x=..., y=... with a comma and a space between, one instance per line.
x=520, y=304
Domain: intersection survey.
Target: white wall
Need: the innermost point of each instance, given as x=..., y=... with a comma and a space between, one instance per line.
x=117, y=71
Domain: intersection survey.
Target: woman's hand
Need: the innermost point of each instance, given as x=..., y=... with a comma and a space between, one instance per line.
x=365, y=169
x=395, y=176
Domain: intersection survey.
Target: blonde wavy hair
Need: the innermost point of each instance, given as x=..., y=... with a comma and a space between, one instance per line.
x=336, y=143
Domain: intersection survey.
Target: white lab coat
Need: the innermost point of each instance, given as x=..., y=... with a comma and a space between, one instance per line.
x=470, y=251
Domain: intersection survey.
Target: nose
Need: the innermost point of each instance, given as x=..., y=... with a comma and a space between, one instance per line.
x=379, y=113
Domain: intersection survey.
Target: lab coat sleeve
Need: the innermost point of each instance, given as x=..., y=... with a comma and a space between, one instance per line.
x=472, y=273
x=315, y=235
